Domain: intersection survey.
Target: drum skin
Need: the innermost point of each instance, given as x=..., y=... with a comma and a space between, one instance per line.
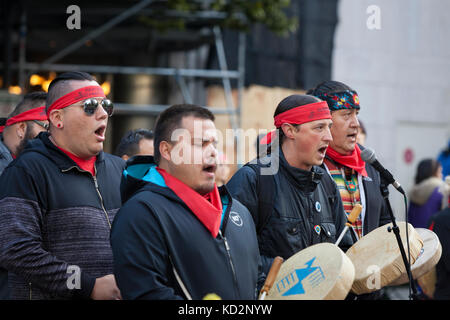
x=319, y=272
x=428, y=258
x=377, y=258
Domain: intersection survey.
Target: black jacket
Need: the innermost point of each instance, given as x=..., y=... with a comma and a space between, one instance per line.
x=440, y=224
x=300, y=203
x=53, y=216
x=156, y=236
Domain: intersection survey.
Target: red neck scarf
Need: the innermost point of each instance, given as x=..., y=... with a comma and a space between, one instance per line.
x=32, y=114
x=86, y=165
x=353, y=161
x=2, y=128
x=207, y=208
x=77, y=95
x=298, y=115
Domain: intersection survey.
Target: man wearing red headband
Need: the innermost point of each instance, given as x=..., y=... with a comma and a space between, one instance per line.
x=291, y=208
x=59, y=198
x=24, y=123
x=358, y=182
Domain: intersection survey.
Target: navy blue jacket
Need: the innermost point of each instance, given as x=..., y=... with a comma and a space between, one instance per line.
x=53, y=215
x=155, y=237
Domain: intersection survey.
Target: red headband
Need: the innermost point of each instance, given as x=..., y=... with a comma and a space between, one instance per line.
x=298, y=115
x=77, y=95
x=32, y=114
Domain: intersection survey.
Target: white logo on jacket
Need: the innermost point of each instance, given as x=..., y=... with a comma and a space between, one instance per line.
x=236, y=218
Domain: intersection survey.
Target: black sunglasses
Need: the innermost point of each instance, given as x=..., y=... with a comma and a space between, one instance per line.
x=90, y=106
x=42, y=124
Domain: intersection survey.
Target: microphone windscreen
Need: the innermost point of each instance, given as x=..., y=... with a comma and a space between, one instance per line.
x=368, y=155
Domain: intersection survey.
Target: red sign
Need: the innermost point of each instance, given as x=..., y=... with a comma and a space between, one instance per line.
x=408, y=156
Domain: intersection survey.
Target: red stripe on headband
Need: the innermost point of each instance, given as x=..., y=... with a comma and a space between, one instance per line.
x=32, y=114
x=298, y=115
x=77, y=95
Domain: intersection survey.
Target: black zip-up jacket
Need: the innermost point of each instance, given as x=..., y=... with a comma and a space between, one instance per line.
x=440, y=224
x=157, y=238
x=301, y=205
x=55, y=218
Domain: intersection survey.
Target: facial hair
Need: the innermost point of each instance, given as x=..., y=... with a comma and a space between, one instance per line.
x=28, y=136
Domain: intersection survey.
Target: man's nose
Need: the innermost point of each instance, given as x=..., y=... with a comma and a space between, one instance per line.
x=100, y=112
x=328, y=136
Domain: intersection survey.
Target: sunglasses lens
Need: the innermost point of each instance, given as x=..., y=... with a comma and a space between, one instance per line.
x=108, y=106
x=90, y=105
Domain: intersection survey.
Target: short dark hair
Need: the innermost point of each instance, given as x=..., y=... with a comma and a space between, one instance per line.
x=170, y=120
x=29, y=101
x=129, y=144
x=291, y=102
x=329, y=86
x=58, y=87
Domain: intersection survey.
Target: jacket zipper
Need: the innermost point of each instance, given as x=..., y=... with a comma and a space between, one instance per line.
x=101, y=201
x=30, y=290
x=96, y=189
x=227, y=247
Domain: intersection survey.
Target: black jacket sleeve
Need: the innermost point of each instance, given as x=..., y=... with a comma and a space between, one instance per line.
x=243, y=187
x=141, y=259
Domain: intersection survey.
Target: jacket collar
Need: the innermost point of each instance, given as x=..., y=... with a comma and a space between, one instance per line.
x=62, y=160
x=136, y=179
x=306, y=181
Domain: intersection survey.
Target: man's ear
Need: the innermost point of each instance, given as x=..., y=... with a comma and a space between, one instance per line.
x=56, y=118
x=21, y=129
x=288, y=130
x=165, y=149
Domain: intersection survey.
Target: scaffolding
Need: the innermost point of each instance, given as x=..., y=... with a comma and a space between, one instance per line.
x=25, y=69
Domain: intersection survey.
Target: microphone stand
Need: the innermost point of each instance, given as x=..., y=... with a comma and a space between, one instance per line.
x=385, y=192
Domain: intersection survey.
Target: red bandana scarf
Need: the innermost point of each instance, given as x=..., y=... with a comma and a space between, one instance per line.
x=353, y=161
x=86, y=165
x=208, y=208
x=301, y=114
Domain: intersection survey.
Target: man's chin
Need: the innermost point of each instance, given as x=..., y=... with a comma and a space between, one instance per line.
x=205, y=189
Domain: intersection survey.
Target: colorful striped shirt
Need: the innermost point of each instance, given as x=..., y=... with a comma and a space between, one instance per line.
x=347, y=182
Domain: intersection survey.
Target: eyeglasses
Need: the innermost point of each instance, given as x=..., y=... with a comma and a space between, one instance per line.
x=90, y=106
x=42, y=124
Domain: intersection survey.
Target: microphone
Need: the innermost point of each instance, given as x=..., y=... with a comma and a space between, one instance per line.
x=368, y=155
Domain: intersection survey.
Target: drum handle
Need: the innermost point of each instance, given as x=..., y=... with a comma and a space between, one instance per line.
x=273, y=272
x=356, y=211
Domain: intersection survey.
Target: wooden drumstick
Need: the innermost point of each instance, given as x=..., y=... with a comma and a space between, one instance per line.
x=273, y=272
x=356, y=211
